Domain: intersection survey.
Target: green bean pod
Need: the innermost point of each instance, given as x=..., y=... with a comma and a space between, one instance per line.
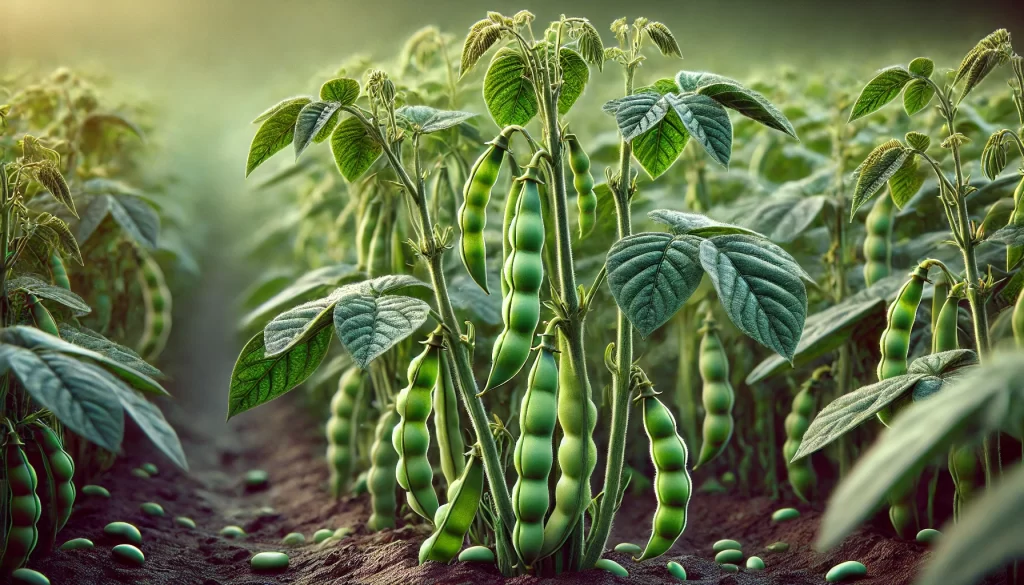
x=524, y=272
x=583, y=181
x=533, y=456
x=380, y=480
x=411, y=437
x=718, y=396
x=156, y=298
x=41, y=316
x=878, y=241
x=59, y=271
x=447, y=426
x=671, y=480
x=1015, y=252
x=800, y=473
x=342, y=429
x=473, y=213
x=902, y=507
x=54, y=473
x=964, y=469
x=944, y=331
x=453, y=519
x=1017, y=320
x=895, y=341
x=22, y=506
x=511, y=203
x=365, y=228
x=378, y=260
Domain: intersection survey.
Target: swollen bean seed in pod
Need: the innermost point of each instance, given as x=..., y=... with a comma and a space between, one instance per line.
x=140, y=473
x=730, y=556
x=232, y=532
x=28, y=577
x=95, y=491
x=777, y=547
x=785, y=514
x=755, y=564
x=928, y=535
x=846, y=571
x=149, y=468
x=256, y=479
x=322, y=535
x=185, y=522
x=269, y=561
x=477, y=554
x=612, y=567
x=628, y=548
x=730, y=568
x=123, y=531
x=726, y=544
x=77, y=544
x=676, y=570
x=128, y=554
x=294, y=539
x=152, y=509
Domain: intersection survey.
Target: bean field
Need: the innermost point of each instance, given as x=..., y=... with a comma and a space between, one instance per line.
x=509, y=296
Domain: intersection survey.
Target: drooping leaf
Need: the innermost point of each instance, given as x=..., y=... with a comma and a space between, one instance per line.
x=707, y=121
x=663, y=38
x=368, y=325
x=258, y=378
x=59, y=232
x=343, y=91
x=917, y=95
x=919, y=141
x=638, y=113
x=749, y=103
x=691, y=81
x=299, y=324
x=508, y=92
x=880, y=165
x=482, y=36
x=651, y=275
x=301, y=100
x=50, y=177
x=152, y=422
x=313, y=119
x=355, y=150
x=906, y=182
x=879, y=91
x=589, y=44
x=45, y=290
x=93, y=341
x=276, y=132
x=758, y=289
x=321, y=277
x=575, y=75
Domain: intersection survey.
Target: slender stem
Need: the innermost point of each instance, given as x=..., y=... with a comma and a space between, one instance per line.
x=6, y=204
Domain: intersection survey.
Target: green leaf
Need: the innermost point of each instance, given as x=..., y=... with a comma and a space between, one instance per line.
x=922, y=66
x=784, y=219
x=343, y=91
x=658, y=148
x=152, y=422
x=45, y=290
x=274, y=134
x=300, y=100
x=299, y=324
x=77, y=393
x=651, y=275
x=482, y=36
x=986, y=400
x=369, y=325
x=1012, y=235
x=137, y=218
x=50, y=177
x=748, y=103
x=681, y=222
x=313, y=119
x=707, y=122
x=93, y=341
x=919, y=141
x=62, y=237
x=879, y=91
x=691, y=81
x=759, y=289
x=321, y=277
x=354, y=148
x=425, y=119
x=906, y=182
x=575, y=75
x=258, y=378
x=639, y=112
x=508, y=93
x=881, y=164
x=664, y=39
x=917, y=95
x=589, y=44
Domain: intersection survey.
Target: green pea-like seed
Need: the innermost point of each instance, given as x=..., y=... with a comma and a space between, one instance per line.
x=777, y=547
x=140, y=473
x=477, y=554
x=149, y=468
x=846, y=571
x=322, y=535
x=928, y=535
x=755, y=564
x=28, y=577
x=269, y=561
x=152, y=509
x=123, y=531
x=185, y=522
x=77, y=544
x=729, y=556
x=730, y=568
x=128, y=554
x=628, y=548
x=256, y=478
x=342, y=532
x=294, y=539
x=726, y=544
x=232, y=532
x=95, y=491
x=612, y=567
x=785, y=514
x=676, y=570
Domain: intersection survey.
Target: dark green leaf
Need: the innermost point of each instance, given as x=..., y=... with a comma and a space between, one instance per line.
x=52, y=180
x=312, y=120
x=343, y=91
x=749, y=103
x=881, y=164
x=785, y=219
x=45, y=290
x=299, y=324
x=879, y=91
x=369, y=325
x=276, y=132
x=681, y=222
x=639, y=112
x=707, y=122
x=137, y=218
x=691, y=81
x=355, y=150
x=93, y=341
x=508, y=93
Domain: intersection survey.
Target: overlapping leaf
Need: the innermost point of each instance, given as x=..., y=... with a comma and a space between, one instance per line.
x=879, y=91
x=707, y=122
x=368, y=325
x=508, y=92
x=276, y=132
x=425, y=119
x=45, y=290
x=355, y=150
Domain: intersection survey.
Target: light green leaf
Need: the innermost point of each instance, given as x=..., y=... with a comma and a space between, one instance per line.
x=299, y=324
x=922, y=66
x=691, y=81
x=917, y=95
x=343, y=91
x=301, y=100
x=575, y=75
x=906, y=182
x=919, y=141
x=748, y=103
x=313, y=119
x=707, y=121
x=879, y=91
x=369, y=325
x=45, y=290
x=651, y=275
x=354, y=149
x=275, y=133
x=424, y=119
x=681, y=222
x=508, y=93
x=881, y=164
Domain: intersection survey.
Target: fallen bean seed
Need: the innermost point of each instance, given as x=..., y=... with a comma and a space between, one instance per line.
x=28, y=577
x=141, y=473
x=628, y=548
x=755, y=564
x=612, y=567
x=729, y=556
x=294, y=539
x=123, y=531
x=726, y=544
x=777, y=547
x=785, y=514
x=185, y=522
x=730, y=568
x=256, y=478
x=152, y=509
x=149, y=468
x=232, y=532
x=477, y=554
x=77, y=544
x=269, y=561
x=846, y=571
x=128, y=554
x=928, y=535
x=96, y=491
x=676, y=570
x=322, y=535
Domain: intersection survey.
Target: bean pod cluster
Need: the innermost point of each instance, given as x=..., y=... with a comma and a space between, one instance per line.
x=800, y=473
x=22, y=507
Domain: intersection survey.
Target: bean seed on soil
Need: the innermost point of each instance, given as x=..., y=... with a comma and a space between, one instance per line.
x=342, y=532
x=140, y=473
x=95, y=491
x=294, y=539
x=256, y=479
x=726, y=544
x=477, y=554
x=152, y=509
x=785, y=514
x=185, y=522
x=729, y=556
x=730, y=568
x=149, y=468
x=755, y=564
x=322, y=535
x=28, y=577
x=846, y=571
x=628, y=548
x=269, y=561
x=124, y=532
x=612, y=567
x=676, y=570
x=777, y=547
x=232, y=532
x=77, y=544
x=128, y=554
x=928, y=535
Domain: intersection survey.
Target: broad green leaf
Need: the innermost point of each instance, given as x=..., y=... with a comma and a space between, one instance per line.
x=984, y=539
x=922, y=66
x=758, y=288
x=258, y=378
x=651, y=275
x=274, y=134
x=691, y=81
x=879, y=91
x=324, y=276
x=943, y=363
x=354, y=149
x=45, y=290
x=387, y=284
x=299, y=324
x=508, y=93
x=312, y=120
x=76, y=392
x=748, y=103
x=137, y=218
x=917, y=140
x=988, y=399
x=707, y=121
x=881, y=164
x=681, y=222
x=301, y=100
x=152, y=422
x=93, y=341
x=369, y=325
x=575, y=75
x=343, y=91
x=658, y=148
x=639, y=112
x=906, y=182
x=95, y=212
x=917, y=95
x=424, y=119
